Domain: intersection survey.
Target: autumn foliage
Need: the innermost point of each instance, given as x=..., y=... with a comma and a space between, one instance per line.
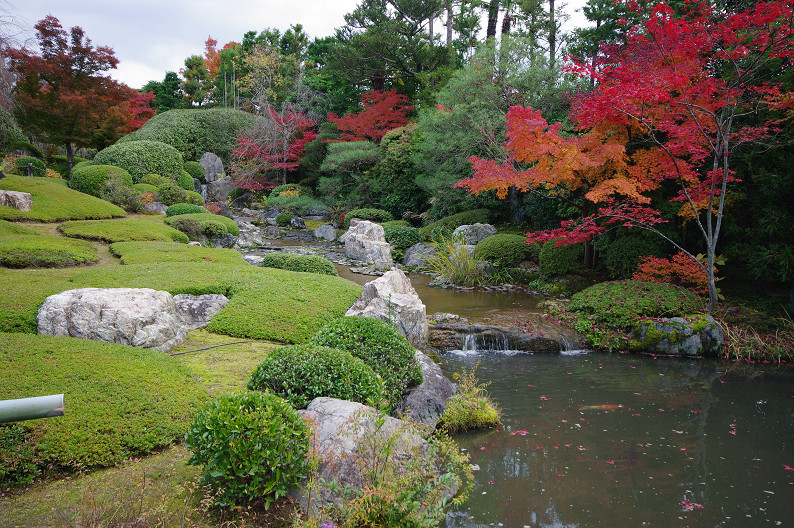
x=680, y=269
x=381, y=111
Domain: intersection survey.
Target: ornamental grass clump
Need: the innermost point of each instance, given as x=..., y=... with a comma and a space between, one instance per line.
x=253, y=446
x=454, y=263
x=471, y=407
x=301, y=373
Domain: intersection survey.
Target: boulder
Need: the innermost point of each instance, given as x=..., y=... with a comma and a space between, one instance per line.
x=218, y=190
x=254, y=260
x=155, y=207
x=250, y=235
x=365, y=241
x=474, y=233
x=197, y=310
x=326, y=232
x=392, y=298
x=226, y=241
x=699, y=335
x=242, y=201
x=17, y=200
x=296, y=222
x=349, y=439
x=213, y=167
x=426, y=403
x=416, y=255
x=139, y=317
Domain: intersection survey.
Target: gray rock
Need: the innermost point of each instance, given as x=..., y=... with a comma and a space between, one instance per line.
x=426, y=403
x=547, y=339
x=218, y=190
x=155, y=207
x=416, y=255
x=326, y=232
x=365, y=241
x=254, y=260
x=213, y=167
x=297, y=222
x=18, y=200
x=348, y=442
x=128, y=316
x=195, y=243
x=226, y=241
x=243, y=200
x=271, y=231
x=700, y=336
x=197, y=310
x=474, y=233
x=392, y=298
x=250, y=235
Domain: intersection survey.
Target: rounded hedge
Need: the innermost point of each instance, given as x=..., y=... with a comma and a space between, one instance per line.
x=214, y=229
x=231, y=225
x=183, y=208
x=559, y=260
x=185, y=180
x=92, y=179
x=170, y=193
x=623, y=254
x=140, y=158
x=194, y=198
x=373, y=215
x=144, y=188
x=305, y=263
x=303, y=372
x=503, y=250
x=380, y=346
x=155, y=180
x=400, y=236
x=253, y=446
x=196, y=170
x=283, y=219
x=189, y=226
x=38, y=167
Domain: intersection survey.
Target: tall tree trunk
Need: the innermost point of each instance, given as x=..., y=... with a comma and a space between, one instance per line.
x=552, y=35
x=595, y=53
x=493, y=16
x=69, y=156
x=514, y=197
x=450, y=15
x=430, y=30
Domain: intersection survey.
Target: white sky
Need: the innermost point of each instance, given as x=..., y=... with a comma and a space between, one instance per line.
x=151, y=37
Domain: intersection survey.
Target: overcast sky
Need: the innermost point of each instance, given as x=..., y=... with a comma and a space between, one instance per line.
x=151, y=37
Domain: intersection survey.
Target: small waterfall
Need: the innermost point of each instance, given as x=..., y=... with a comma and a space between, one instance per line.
x=203, y=190
x=486, y=342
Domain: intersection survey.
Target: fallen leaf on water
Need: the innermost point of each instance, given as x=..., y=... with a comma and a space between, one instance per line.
x=788, y=468
x=689, y=506
x=520, y=432
x=610, y=461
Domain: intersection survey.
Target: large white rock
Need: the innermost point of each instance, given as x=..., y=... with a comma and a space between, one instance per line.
x=250, y=235
x=18, y=200
x=392, y=298
x=365, y=241
x=139, y=317
x=474, y=233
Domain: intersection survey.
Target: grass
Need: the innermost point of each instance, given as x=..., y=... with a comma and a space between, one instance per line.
x=147, y=252
x=53, y=201
x=11, y=229
x=125, y=230
x=230, y=224
x=44, y=251
x=20, y=304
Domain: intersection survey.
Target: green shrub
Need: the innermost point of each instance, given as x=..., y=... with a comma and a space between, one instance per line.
x=306, y=263
x=194, y=198
x=503, y=250
x=214, y=229
x=288, y=189
x=449, y=223
x=380, y=346
x=91, y=179
x=189, y=226
x=404, y=223
x=44, y=251
x=155, y=180
x=61, y=165
x=196, y=131
x=152, y=252
x=183, y=208
x=142, y=188
x=185, y=180
x=196, y=170
x=302, y=373
x=253, y=446
x=38, y=166
x=470, y=407
x=140, y=158
x=373, y=215
x=559, y=260
x=297, y=205
x=170, y=193
x=231, y=225
x=401, y=237
x=117, y=192
x=283, y=219
x=112, y=413
x=124, y=230
x=624, y=253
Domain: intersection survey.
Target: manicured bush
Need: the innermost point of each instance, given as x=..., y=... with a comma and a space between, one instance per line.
x=380, y=346
x=170, y=193
x=448, y=224
x=623, y=254
x=185, y=180
x=117, y=192
x=196, y=170
x=196, y=131
x=559, y=260
x=91, y=179
x=124, y=230
x=230, y=224
x=404, y=223
x=155, y=180
x=144, y=188
x=306, y=263
x=194, y=198
x=189, y=226
x=303, y=372
x=38, y=166
x=400, y=236
x=140, y=158
x=214, y=229
x=253, y=446
x=373, y=215
x=283, y=219
x=503, y=250
x=183, y=208
x=61, y=165
x=44, y=251
x=288, y=189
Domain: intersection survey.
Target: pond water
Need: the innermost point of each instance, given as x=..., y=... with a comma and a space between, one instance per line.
x=627, y=441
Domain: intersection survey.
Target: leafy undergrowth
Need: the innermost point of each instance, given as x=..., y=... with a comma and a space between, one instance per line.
x=147, y=252
x=53, y=201
x=120, y=401
x=755, y=337
x=471, y=407
x=44, y=251
x=125, y=230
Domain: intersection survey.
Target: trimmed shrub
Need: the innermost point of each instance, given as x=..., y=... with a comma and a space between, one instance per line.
x=196, y=170
x=404, y=223
x=303, y=372
x=38, y=166
x=400, y=236
x=231, y=225
x=184, y=208
x=61, y=165
x=118, y=192
x=140, y=158
x=214, y=229
x=503, y=250
x=189, y=226
x=559, y=260
x=91, y=179
x=283, y=219
x=194, y=198
x=305, y=263
x=623, y=254
x=448, y=224
x=380, y=346
x=144, y=188
x=123, y=230
x=288, y=189
x=253, y=446
x=373, y=215
x=155, y=180
x=170, y=193
x=185, y=180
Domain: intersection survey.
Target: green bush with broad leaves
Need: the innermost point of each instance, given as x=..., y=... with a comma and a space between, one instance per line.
x=185, y=180
x=305, y=263
x=283, y=219
x=214, y=229
x=623, y=254
x=557, y=260
x=503, y=250
x=447, y=225
x=380, y=346
x=253, y=446
x=155, y=179
x=170, y=193
x=301, y=373
x=91, y=179
x=194, y=198
x=231, y=225
x=184, y=208
x=37, y=166
x=140, y=158
x=401, y=236
x=196, y=170
x=370, y=214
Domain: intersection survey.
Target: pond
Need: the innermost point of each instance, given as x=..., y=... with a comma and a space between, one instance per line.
x=627, y=441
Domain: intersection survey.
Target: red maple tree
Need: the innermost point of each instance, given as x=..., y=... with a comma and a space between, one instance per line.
x=380, y=112
x=678, y=90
